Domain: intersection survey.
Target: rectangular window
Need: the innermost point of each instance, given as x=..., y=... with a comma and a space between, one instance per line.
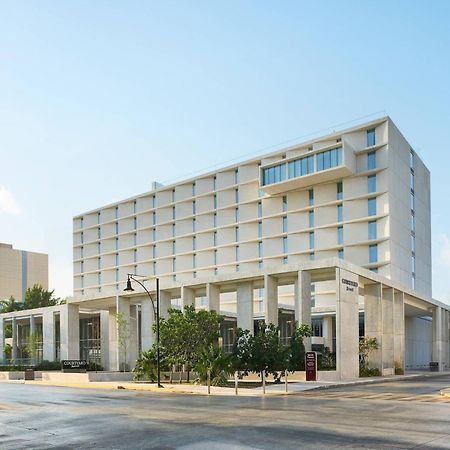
x=371, y=160
x=215, y=238
x=339, y=190
x=285, y=224
x=236, y=234
x=373, y=253
x=135, y=239
x=412, y=202
x=215, y=183
x=412, y=159
x=236, y=214
x=260, y=211
x=260, y=264
x=215, y=201
x=174, y=265
x=411, y=181
x=135, y=255
x=259, y=229
x=173, y=213
x=154, y=218
x=117, y=243
x=340, y=213
x=311, y=256
x=285, y=204
x=311, y=240
x=215, y=257
x=215, y=220
x=329, y=159
x=117, y=259
x=341, y=253
x=194, y=243
x=372, y=206
x=194, y=261
x=173, y=230
x=371, y=137
x=99, y=233
x=340, y=235
x=274, y=174
x=311, y=197
x=413, y=223
x=371, y=183
x=413, y=264
x=285, y=245
x=194, y=207
x=82, y=237
x=82, y=252
x=413, y=244
x=237, y=253
x=154, y=252
x=117, y=227
x=236, y=196
x=372, y=229
x=285, y=260
x=81, y=266
x=194, y=225
x=173, y=195
x=116, y=212
x=236, y=176
x=301, y=167
x=193, y=189
x=311, y=219
x=260, y=249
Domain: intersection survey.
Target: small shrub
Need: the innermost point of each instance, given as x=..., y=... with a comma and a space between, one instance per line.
x=48, y=365
x=399, y=371
x=366, y=372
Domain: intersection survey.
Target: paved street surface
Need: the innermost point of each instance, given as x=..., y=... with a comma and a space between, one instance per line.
x=403, y=414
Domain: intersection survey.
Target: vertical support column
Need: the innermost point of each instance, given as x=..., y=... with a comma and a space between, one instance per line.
x=347, y=325
x=373, y=322
x=70, y=331
x=104, y=339
x=14, y=338
x=2, y=340
x=245, y=306
x=126, y=334
x=32, y=335
x=446, y=331
x=270, y=300
x=187, y=297
x=48, y=335
x=387, y=348
x=437, y=337
x=148, y=337
x=113, y=361
x=399, y=331
x=134, y=336
x=327, y=329
x=165, y=299
x=213, y=297
x=302, y=300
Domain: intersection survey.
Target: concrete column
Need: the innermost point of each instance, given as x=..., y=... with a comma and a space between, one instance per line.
x=187, y=297
x=387, y=347
x=104, y=338
x=270, y=300
x=165, y=303
x=127, y=353
x=113, y=362
x=347, y=325
x=302, y=300
x=399, y=330
x=327, y=329
x=213, y=297
x=148, y=337
x=14, y=338
x=446, y=331
x=245, y=306
x=70, y=331
x=373, y=322
x=134, y=336
x=32, y=332
x=438, y=332
x=2, y=340
x=48, y=335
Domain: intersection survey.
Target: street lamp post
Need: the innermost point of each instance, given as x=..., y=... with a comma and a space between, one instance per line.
x=129, y=288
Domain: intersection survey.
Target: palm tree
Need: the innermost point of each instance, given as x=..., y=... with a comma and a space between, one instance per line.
x=10, y=305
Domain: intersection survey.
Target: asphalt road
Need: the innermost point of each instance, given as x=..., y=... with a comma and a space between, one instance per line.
x=407, y=414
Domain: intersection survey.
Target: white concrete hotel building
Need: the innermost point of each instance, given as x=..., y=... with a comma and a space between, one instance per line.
x=334, y=232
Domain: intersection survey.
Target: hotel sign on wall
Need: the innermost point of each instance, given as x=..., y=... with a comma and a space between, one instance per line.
x=349, y=285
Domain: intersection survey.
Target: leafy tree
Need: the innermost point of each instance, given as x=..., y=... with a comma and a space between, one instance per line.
x=7, y=349
x=38, y=297
x=367, y=345
x=186, y=334
x=31, y=347
x=10, y=305
x=296, y=359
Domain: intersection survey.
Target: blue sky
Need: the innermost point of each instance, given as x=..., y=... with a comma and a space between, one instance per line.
x=100, y=98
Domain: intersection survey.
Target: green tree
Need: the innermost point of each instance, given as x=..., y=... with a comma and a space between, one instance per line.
x=186, y=334
x=9, y=305
x=367, y=345
x=215, y=362
x=32, y=346
x=296, y=359
x=38, y=297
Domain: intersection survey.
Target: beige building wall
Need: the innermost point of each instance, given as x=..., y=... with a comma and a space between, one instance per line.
x=229, y=221
x=20, y=270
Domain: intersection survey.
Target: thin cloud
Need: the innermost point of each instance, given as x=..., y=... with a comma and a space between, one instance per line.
x=8, y=204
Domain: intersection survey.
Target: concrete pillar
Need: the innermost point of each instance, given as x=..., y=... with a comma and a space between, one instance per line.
x=126, y=334
x=213, y=297
x=134, y=336
x=446, y=338
x=245, y=306
x=70, y=331
x=187, y=297
x=48, y=335
x=327, y=329
x=373, y=322
x=113, y=362
x=14, y=338
x=165, y=303
x=399, y=330
x=2, y=340
x=148, y=337
x=438, y=332
x=387, y=347
x=104, y=339
x=270, y=300
x=347, y=325
x=302, y=300
x=32, y=333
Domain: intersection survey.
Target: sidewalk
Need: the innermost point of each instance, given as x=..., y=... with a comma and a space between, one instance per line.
x=271, y=389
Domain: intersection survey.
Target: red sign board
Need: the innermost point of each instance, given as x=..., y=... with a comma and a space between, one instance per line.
x=311, y=366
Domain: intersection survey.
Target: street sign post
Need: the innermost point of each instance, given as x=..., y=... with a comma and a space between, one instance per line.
x=311, y=366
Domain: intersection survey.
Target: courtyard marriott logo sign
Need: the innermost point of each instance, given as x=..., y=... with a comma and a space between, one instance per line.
x=350, y=285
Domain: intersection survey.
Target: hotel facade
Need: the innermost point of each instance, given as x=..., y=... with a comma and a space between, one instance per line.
x=334, y=232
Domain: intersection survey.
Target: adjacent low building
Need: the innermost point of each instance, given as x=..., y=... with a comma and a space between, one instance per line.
x=334, y=232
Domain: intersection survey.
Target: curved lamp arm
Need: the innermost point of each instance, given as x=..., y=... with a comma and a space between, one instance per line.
x=130, y=276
